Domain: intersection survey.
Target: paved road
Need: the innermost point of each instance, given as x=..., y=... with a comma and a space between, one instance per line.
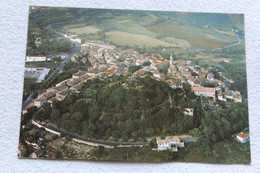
x=187, y=140
x=61, y=66
x=27, y=101
x=91, y=143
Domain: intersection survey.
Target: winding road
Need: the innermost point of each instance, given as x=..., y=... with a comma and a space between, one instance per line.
x=230, y=45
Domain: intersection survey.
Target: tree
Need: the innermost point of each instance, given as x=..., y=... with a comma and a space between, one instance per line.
x=39, y=115
x=125, y=138
x=134, y=135
x=115, y=134
x=55, y=115
x=153, y=143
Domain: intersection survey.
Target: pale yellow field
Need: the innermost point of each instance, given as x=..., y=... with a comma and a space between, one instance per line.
x=179, y=42
x=124, y=39
x=85, y=30
x=232, y=34
x=208, y=58
x=124, y=21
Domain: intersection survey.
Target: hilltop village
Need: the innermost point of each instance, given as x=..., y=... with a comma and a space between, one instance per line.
x=135, y=86
x=107, y=60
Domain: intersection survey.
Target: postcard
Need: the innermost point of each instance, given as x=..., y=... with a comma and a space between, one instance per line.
x=134, y=85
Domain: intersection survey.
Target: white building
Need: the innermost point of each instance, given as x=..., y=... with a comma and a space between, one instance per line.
x=40, y=102
x=38, y=73
x=242, y=137
x=170, y=143
x=188, y=111
x=33, y=58
x=205, y=91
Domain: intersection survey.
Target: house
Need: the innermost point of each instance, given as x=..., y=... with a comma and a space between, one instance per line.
x=188, y=111
x=51, y=155
x=57, y=88
x=32, y=141
x=162, y=65
x=210, y=76
x=36, y=154
x=186, y=73
x=52, y=101
x=205, y=91
x=170, y=143
x=221, y=96
x=242, y=137
x=42, y=99
x=191, y=80
x=62, y=95
x=78, y=74
x=24, y=111
x=111, y=70
x=237, y=97
x=40, y=102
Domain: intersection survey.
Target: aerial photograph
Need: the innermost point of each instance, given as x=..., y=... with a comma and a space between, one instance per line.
x=134, y=85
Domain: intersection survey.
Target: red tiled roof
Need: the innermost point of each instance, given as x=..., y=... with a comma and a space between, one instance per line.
x=29, y=106
x=242, y=135
x=112, y=70
x=152, y=58
x=51, y=154
x=43, y=90
x=203, y=89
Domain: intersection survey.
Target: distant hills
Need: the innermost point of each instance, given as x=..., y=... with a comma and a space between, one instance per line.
x=201, y=31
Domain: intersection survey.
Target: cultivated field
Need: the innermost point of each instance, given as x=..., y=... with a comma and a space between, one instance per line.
x=167, y=29
x=129, y=39
x=85, y=30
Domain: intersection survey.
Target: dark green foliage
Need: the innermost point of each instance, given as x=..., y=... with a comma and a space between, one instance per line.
x=133, y=154
x=39, y=115
x=52, y=47
x=138, y=110
x=153, y=143
x=237, y=72
x=45, y=16
x=134, y=69
x=223, y=123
